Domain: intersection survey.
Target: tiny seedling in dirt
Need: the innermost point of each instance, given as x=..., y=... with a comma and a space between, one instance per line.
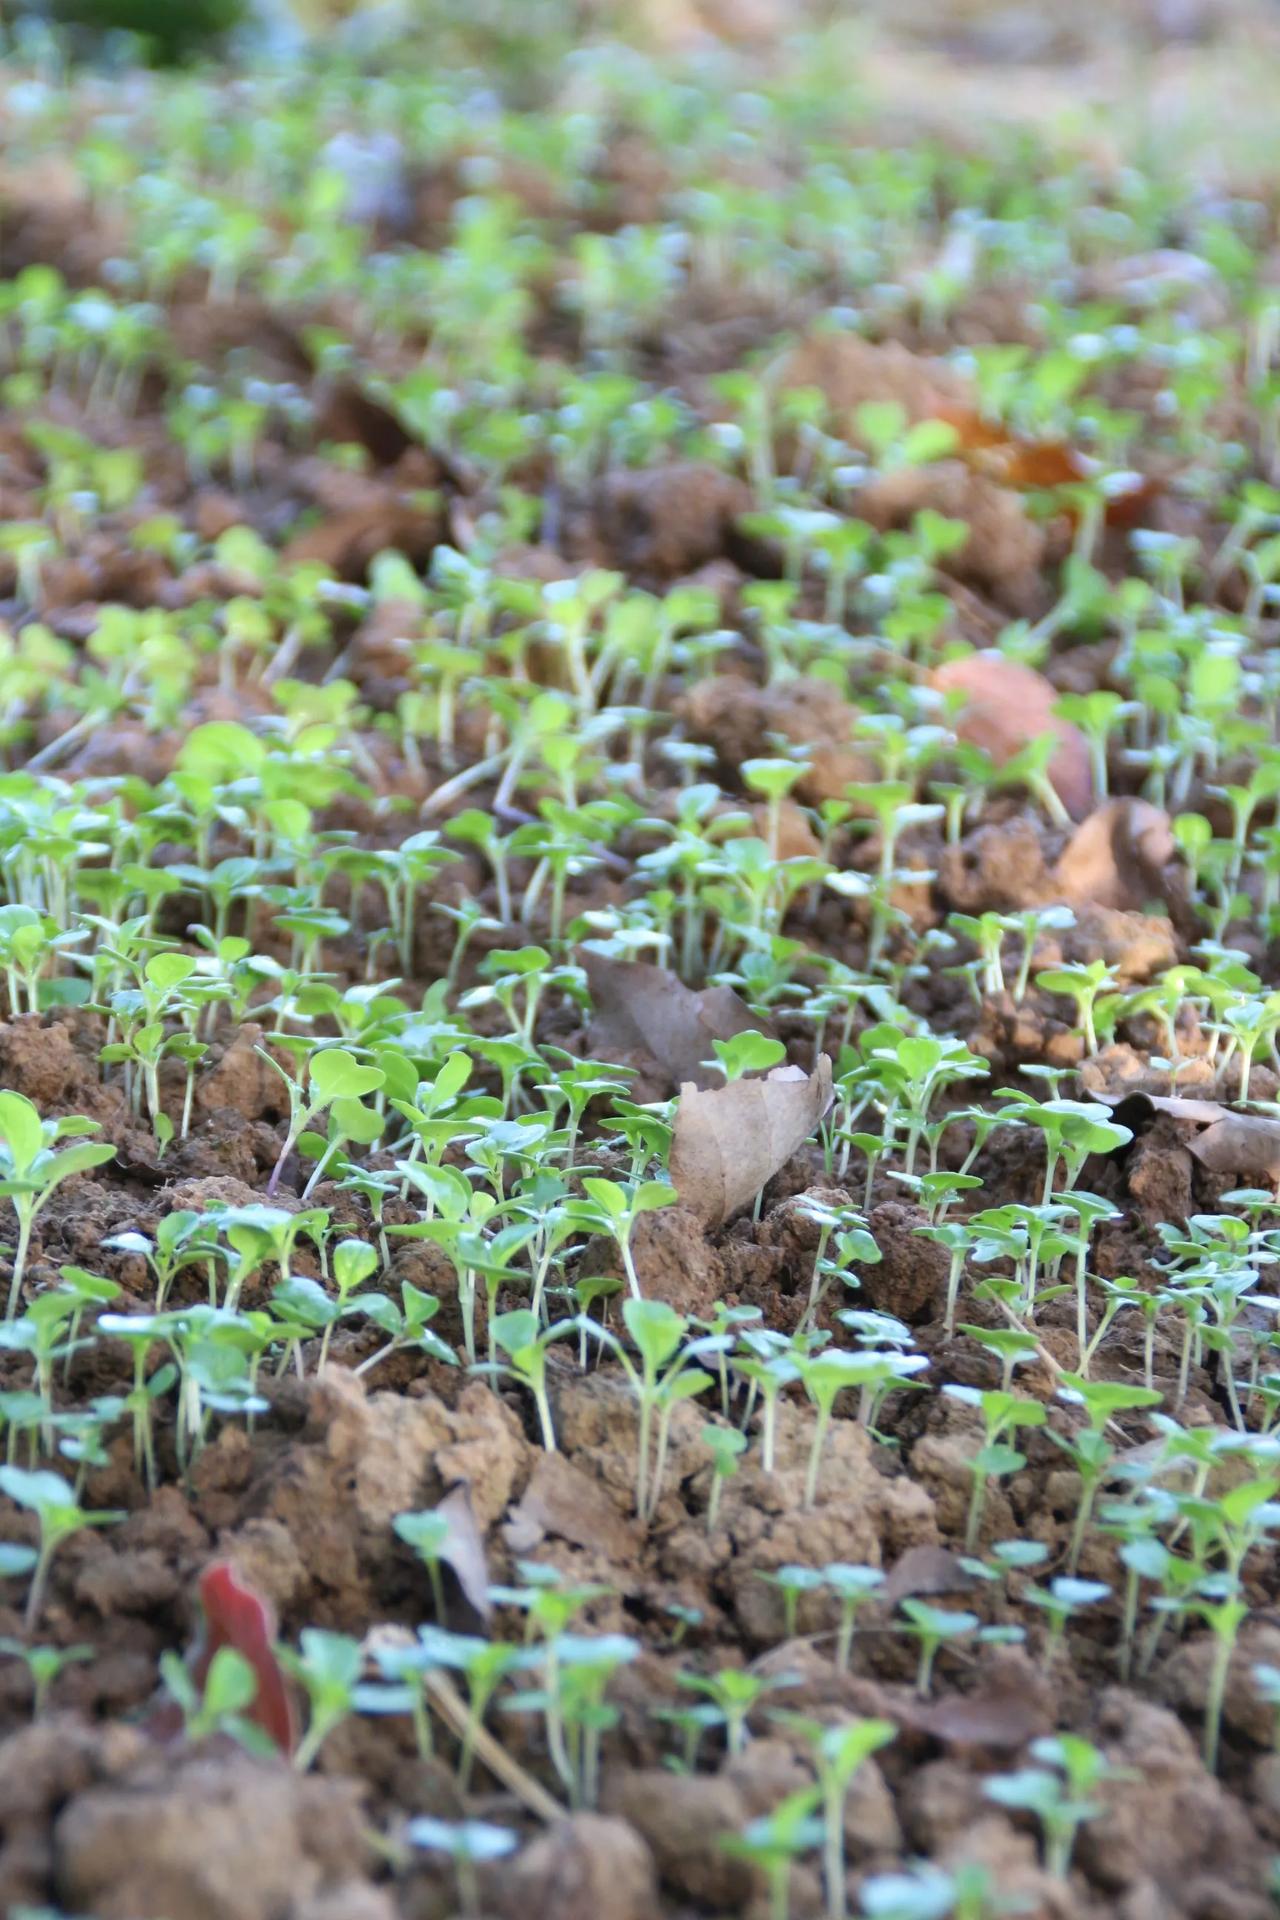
x=32, y=1170
x=837, y=1751
x=58, y=1517
x=468, y=1844
x=773, y=1841
x=327, y=1667
x=934, y=1627
x=44, y=1664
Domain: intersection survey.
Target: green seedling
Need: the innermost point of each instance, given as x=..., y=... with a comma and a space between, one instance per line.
x=327, y=1667
x=332, y=1075
x=933, y=1627
x=727, y=1446
x=1060, y=1601
x=32, y=1171
x=525, y=1343
x=854, y=1588
x=735, y=1694
x=837, y=1753
x=58, y=1516
x=774, y=1841
x=1002, y=1413
x=792, y=1583
x=1059, y=1791
x=222, y=1707
x=44, y=1664
x=618, y=1208
x=428, y=1535
x=662, y=1381
x=468, y=1844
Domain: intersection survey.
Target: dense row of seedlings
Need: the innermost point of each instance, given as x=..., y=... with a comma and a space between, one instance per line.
x=530, y=824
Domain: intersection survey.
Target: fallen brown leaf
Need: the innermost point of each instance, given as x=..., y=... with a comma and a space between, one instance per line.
x=924, y=1570
x=1246, y=1144
x=650, y=1008
x=730, y=1141
x=463, y=1550
x=1005, y=1721
x=1028, y=466
x=1240, y=1143
x=562, y=1500
x=1123, y=856
x=1006, y=707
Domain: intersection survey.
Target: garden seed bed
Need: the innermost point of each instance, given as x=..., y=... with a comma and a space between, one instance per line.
x=641, y=865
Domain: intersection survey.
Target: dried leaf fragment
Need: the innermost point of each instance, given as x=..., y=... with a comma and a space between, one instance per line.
x=1007, y=706
x=925, y=1569
x=1240, y=1143
x=463, y=1549
x=235, y=1616
x=651, y=1009
x=1244, y=1144
x=731, y=1140
x=1123, y=856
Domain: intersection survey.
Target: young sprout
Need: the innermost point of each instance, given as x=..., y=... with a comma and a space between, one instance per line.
x=791, y=1583
x=1089, y=1451
x=773, y=1841
x=827, y=1374
x=837, y=1752
x=1085, y=984
x=1002, y=1413
x=617, y=1208
x=58, y=1515
x=406, y=1325
x=854, y=1588
x=933, y=1627
x=333, y=1075
x=222, y=1704
x=468, y=1844
x=33, y=1171
x=1058, y=1791
x=328, y=1668
x=745, y=1053
x=525, y=1344
x=1061, y=1600
x=735, y=1693
x=727, y=1445
x=44, y=1664
x=428, y=1534
x=773, y=780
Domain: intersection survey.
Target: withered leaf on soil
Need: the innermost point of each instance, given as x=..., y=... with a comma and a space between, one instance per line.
x=730, y=1141
x=1241, y=1143
x=463, y=1550
x=562, y=1500
x=639, y=1006
x=1004, y=1720
x=925, y=1570
x=1123, y=856
x=1223, y=1142
x=1005, y=707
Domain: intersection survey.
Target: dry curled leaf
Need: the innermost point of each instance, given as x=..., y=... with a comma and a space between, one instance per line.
x=1004, y=1720
x=571, y=1505
x=926, y=1569
x=1244, y=1144
x=1123, y=856
x=1033, y=466
x=730, y=1141
x=463, y=1550
x=1005, y=707
x=650, y=1008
